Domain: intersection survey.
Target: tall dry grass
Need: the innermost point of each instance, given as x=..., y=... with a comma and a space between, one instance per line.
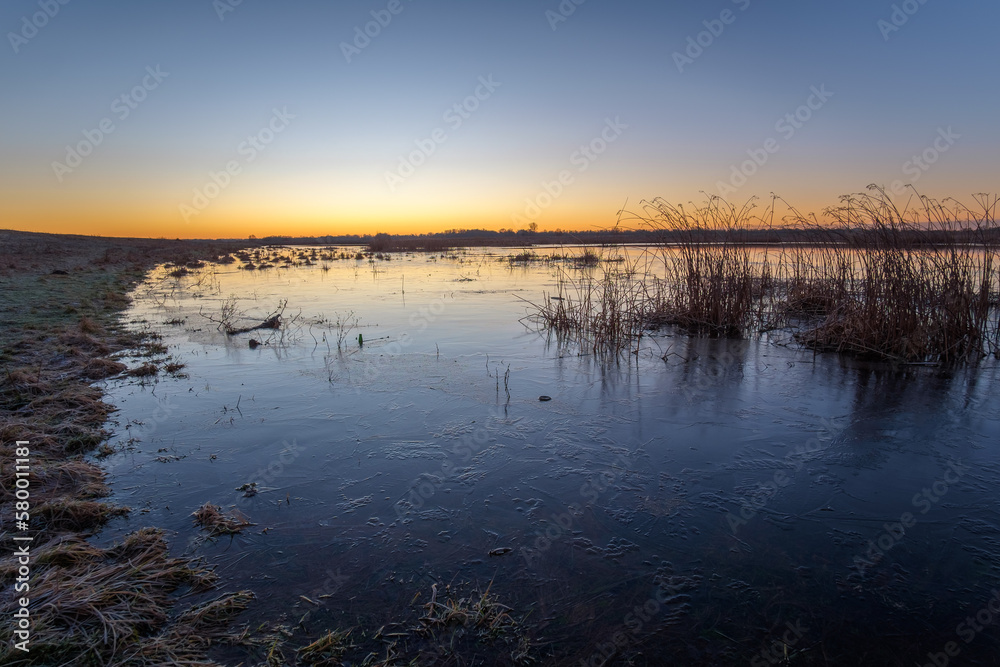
x=713, y=280
x=915, y=284
x=602, y=309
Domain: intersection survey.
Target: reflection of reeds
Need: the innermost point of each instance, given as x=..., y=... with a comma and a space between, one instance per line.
x=911, y=285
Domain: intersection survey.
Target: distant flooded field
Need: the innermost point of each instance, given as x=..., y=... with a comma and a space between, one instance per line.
x=425, y=465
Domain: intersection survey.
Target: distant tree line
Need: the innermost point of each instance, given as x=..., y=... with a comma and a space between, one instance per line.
x=461, y=238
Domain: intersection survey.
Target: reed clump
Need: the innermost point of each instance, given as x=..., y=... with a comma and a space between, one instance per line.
x=603, y=311
x=909, y=285
x=589, y=257
x=712, y=282
x=917, y=284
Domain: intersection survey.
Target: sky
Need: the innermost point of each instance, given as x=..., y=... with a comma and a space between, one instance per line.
x=226, y=118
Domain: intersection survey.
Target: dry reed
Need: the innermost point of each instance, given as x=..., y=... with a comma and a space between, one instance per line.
x=217, y=522
x=116, y=610
x=910, y=285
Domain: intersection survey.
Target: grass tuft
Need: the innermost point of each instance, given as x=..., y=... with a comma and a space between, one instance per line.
x=109, y=606
x=212, y=518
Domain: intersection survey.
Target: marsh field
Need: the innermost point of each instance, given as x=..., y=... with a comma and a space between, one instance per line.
x=697, y=453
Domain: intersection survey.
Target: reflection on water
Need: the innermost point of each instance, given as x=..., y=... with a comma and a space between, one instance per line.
x=738, y=502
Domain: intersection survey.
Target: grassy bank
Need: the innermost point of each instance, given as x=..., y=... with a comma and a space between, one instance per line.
x=59, y=332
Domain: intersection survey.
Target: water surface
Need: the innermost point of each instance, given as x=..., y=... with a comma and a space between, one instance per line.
x=699, y=502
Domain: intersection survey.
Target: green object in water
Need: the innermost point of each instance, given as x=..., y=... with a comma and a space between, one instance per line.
x=361, y=340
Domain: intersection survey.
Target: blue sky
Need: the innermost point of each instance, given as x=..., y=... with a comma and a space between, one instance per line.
x=349, y=126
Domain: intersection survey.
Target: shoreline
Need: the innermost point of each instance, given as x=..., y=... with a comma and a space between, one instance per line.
x=65, y=599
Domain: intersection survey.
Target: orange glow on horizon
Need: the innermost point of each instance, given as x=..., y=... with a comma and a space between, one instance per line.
x=138, y=208
x=133, y=219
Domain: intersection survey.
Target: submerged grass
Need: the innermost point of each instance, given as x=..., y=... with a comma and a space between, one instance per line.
x=212, y=518
x=911, y=285
x=93, y=606
x=454, y=627
x=328, y=650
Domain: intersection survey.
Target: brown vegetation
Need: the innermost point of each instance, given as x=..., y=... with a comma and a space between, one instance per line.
x=905, y=285
x=212, y=518
x=62, y=297
x=111, y=606
x=902, y=287
x=450, y=628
